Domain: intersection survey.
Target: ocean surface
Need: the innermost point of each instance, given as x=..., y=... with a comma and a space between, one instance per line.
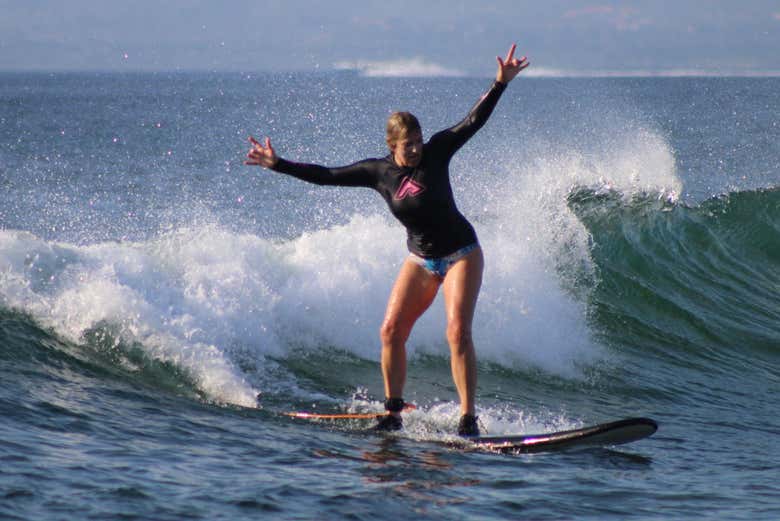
x=161, y=304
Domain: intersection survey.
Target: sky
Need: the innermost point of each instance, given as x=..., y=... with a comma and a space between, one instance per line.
x=395, y=37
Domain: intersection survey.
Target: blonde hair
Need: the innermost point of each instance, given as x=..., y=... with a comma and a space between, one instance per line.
x=399, y=126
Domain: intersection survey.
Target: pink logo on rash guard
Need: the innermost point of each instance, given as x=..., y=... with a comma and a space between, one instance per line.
x=408, y=187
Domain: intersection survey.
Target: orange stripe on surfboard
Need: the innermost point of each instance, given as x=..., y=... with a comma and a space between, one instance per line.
x=343, y=416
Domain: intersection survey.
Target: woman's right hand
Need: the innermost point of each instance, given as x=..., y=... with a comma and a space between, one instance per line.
x=260, y=155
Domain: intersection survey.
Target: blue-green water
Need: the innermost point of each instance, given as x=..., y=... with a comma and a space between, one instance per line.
x=151, y=286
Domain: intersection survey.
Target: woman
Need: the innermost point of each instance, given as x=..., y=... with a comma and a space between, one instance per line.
x=444, y=252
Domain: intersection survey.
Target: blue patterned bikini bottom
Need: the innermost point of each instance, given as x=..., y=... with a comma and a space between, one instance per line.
x=439, y=266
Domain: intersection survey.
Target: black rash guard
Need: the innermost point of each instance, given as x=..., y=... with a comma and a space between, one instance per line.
x=420, y=197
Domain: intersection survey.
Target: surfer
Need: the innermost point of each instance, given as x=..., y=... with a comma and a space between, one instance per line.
x=444, y=251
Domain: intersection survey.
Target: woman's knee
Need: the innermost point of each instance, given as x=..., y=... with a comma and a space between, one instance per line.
x=459, y=335
x=392, y=333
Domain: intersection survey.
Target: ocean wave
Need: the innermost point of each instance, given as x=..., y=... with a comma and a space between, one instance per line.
x=213, y=302
x=224, y=305
x=703, y=276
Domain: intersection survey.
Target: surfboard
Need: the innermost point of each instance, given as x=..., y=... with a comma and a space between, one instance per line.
x=618, y=432
x=602, y=435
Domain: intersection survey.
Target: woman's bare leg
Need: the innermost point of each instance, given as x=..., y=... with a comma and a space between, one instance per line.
x=413, y=292
x=461, y=289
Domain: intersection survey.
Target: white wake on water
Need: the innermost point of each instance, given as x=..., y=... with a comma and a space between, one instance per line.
x=438, y=422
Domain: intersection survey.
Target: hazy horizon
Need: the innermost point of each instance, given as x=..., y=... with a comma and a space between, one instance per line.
x=438, y=38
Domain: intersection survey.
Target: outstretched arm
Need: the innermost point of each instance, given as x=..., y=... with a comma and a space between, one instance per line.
x=357, y=174
x=455, y=137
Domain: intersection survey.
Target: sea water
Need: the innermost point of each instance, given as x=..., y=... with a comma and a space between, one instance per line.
x=161, y=304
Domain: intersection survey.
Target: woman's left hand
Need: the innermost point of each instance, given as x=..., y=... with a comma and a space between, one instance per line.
x=510, y=66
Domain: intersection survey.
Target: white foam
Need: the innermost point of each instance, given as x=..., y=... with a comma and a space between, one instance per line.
x=141, y=290
x=438, y=422
x=203, y=298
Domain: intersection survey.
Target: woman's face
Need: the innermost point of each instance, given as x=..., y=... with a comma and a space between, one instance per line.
x=408, y=151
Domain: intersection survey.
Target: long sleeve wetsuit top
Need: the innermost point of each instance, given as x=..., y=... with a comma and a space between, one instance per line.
x=420, y=197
